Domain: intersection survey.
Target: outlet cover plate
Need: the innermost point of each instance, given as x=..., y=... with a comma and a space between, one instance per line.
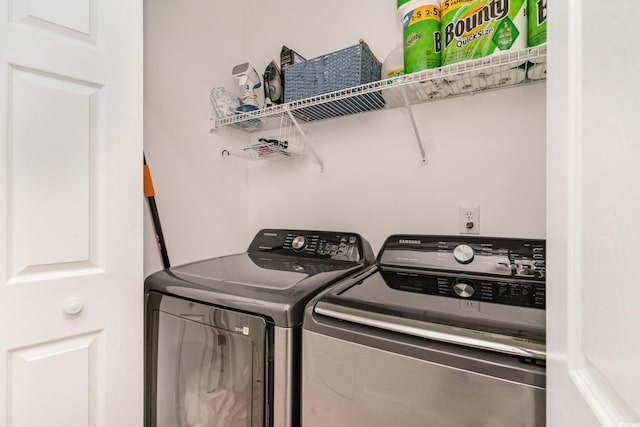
x=469, y=219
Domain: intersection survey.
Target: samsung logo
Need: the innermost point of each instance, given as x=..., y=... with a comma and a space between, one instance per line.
x=409, y=242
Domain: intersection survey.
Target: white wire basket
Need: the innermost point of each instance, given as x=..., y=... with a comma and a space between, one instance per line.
x=286, y=144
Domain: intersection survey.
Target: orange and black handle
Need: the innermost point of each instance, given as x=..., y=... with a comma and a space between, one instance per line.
x=150, y=194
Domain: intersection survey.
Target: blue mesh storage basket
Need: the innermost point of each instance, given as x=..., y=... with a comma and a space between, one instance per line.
x=345, y=68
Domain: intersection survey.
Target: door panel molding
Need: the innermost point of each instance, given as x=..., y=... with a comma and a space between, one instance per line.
x=70, y=396
x=75, y=19
x=53, y=191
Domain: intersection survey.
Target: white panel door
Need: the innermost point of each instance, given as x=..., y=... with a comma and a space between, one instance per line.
x=593, y=210
x=71, y=295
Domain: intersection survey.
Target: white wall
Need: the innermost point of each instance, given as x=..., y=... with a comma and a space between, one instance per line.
x=315, y=28
x=190, y=47
x=375, y=184
x=486, y=149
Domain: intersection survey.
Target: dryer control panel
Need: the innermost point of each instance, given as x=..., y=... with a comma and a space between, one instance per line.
x=331, y=245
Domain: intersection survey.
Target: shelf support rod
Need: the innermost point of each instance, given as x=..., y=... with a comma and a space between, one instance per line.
x=306, y=140
x=413, y=124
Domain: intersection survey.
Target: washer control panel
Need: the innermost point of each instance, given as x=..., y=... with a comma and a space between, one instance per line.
x=316, y=244
x=510, y=292
x=523, y=258
x=502, y=292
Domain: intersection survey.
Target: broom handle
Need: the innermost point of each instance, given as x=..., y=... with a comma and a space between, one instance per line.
x=150, y=194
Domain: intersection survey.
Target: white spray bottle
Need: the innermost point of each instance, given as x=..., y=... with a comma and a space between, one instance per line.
x=250, y=80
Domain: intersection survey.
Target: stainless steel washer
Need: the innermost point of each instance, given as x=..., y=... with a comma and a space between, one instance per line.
x=223, y=335
x=443, y=331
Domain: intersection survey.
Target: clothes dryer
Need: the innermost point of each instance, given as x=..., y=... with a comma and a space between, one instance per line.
x=223, y=335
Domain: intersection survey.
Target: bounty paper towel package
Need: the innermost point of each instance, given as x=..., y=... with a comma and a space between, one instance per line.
x=421, y=34
x=473, y=29
x=537, y=22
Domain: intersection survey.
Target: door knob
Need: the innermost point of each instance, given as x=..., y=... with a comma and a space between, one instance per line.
x=73, y=306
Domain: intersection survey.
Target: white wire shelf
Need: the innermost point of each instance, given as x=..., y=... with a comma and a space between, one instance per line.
x=464, y=78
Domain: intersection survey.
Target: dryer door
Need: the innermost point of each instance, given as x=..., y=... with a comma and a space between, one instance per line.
x=206, y=366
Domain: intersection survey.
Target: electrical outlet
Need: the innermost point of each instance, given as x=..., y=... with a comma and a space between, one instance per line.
x=469, y=219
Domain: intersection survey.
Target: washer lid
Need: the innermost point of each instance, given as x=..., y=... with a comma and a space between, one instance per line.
x=389, y=299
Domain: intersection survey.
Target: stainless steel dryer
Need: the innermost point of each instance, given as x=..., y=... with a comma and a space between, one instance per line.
x=223, y=335
x=443, y=331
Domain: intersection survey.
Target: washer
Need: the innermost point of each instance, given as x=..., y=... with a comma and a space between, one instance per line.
x=223, y=335
x=443, y=331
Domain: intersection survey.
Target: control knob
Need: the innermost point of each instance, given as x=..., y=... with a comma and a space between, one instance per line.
x=463, y=289
x=463, y=254
x=299, y=243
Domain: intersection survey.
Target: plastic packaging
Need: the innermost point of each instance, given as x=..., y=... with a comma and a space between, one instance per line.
x=421, y=34
x=537, y=10
x=473, y=29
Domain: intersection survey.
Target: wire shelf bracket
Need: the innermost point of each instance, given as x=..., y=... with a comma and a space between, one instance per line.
x=306, y=139
x=414, y=126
